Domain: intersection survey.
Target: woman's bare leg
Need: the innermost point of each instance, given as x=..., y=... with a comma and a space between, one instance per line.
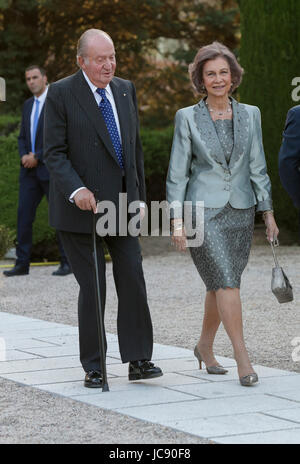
x=230, y=312
x=210, y=325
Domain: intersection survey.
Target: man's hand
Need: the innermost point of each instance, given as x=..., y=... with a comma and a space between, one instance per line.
x=29, y=161
x=85, y=200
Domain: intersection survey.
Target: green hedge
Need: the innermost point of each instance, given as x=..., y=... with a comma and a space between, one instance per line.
x=157, y=148
x=8, y=123
x=156, y=144
x=9, y=190
x=270, y=56
x=6, y=240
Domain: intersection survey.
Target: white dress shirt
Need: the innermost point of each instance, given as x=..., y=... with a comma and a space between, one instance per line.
x=110, y=98
x=98, y=98
x=41, y=100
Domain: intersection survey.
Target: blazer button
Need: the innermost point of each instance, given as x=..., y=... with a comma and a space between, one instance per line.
x=96, y=144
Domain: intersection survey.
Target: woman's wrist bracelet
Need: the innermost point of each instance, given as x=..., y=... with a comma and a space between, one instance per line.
x=176, y=228
x=268, y=211
x=175, y=224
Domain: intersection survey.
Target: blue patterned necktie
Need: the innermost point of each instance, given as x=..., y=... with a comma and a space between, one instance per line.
x=109, y=118
x=35, y=124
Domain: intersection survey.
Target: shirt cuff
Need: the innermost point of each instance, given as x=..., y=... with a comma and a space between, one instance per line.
x=74, y=193
x=142, y=204
x=264, y=205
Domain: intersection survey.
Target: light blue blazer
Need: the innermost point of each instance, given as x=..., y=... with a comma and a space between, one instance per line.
x=198, y=170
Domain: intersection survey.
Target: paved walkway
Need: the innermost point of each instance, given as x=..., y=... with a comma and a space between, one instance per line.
x=44, y=355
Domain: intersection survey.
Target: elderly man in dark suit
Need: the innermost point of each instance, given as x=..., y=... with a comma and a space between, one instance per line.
x=289, y=156
x=34, y=176
x=92, y=143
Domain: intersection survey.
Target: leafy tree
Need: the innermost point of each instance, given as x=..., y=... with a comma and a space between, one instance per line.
x=46, y=31
x=20, y=45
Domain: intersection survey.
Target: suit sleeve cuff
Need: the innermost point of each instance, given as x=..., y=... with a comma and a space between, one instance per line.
x=264, y=205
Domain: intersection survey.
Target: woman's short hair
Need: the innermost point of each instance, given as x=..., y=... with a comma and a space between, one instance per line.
x=211, y=52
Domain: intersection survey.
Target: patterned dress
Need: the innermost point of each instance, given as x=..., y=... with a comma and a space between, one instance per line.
x=228, y=231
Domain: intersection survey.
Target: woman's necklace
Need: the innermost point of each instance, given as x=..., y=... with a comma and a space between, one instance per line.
x=220, y=113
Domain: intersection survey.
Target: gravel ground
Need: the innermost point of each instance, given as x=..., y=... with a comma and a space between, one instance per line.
x=176, y=295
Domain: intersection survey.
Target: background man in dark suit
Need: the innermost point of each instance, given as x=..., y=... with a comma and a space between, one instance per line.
x=289, y=157
x=92, y=143
x=34, y=177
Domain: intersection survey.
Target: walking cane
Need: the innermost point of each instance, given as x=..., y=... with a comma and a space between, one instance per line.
x=100, y=315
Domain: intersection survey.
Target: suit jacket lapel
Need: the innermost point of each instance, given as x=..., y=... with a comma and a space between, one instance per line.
x=121, y=99
x=241, y=131
x=86, y=99
x=208, y=133
x=27, y=118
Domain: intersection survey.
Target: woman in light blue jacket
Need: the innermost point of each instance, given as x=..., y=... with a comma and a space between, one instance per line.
x=218, y=157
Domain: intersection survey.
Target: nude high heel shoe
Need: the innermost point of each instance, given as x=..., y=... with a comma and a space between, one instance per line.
x=218, y=370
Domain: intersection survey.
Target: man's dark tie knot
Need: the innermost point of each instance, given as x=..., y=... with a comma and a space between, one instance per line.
x=101, y=93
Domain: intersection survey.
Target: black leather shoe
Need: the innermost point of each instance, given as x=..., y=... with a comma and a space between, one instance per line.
x=143, y=370
x=93, y=379
x=64, y=269
x=18, y=269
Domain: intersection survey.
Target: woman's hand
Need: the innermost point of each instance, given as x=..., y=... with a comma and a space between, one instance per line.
x=178, y=235
x=272, y=230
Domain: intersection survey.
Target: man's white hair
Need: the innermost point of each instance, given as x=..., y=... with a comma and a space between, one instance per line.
x=84, y=39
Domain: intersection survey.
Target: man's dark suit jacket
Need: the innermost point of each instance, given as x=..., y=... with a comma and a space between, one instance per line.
x=79, y=153
x=24, y=141
x=289, y=156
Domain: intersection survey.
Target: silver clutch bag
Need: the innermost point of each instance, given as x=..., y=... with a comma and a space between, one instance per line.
x=280, y=284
